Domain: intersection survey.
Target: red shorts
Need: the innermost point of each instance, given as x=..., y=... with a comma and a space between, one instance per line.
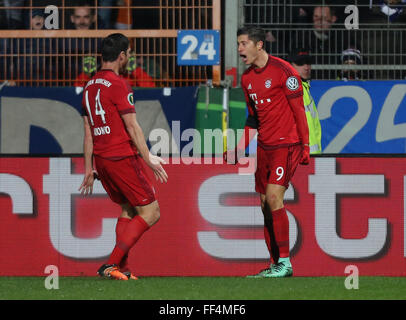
x=125, y=180
x=276, y=166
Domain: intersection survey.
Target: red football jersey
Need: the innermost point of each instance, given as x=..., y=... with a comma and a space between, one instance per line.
x=106, y=97
x=274, y=95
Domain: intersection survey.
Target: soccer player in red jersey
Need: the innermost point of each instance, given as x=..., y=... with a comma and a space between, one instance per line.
x=114, y=141
x=273, y=92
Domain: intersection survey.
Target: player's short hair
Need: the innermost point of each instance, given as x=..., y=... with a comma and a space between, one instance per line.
x=254, y=33
x=113, y=45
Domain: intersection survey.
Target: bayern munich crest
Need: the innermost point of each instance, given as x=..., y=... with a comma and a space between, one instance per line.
x=268, y=84
x=292, y=83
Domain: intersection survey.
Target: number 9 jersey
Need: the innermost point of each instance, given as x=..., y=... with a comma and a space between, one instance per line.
x=106, y=98
x=274, y=95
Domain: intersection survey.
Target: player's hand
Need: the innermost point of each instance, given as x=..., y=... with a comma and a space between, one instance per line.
x=155, y=163
x=305, y=159
x=86, y=188
x=233, y=156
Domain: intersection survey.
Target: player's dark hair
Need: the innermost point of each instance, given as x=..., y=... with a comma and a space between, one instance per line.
x=113, y=45
x=254, y=33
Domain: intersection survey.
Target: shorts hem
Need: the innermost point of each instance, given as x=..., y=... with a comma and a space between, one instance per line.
x=143, y=204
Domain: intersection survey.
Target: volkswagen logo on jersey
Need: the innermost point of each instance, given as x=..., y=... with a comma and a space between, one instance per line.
x=268, y=84
x=292, y=83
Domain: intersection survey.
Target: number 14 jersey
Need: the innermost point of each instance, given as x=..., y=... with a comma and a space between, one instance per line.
x=106, y=98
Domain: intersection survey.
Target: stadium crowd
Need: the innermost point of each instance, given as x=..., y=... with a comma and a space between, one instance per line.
x=315, y=25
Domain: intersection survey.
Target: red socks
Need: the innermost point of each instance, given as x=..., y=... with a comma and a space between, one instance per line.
x=270, y=243
x=127, y=234
x=120, y=228
x=281, y=231
x=267, y=239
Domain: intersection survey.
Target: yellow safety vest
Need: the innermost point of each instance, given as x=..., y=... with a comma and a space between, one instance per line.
x=313, y=120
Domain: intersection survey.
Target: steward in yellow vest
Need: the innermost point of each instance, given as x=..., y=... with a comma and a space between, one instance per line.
x=301, y=61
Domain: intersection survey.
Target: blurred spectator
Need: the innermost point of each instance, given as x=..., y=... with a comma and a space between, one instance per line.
x=89, y=68
x=31, y=5
x=78, y=51
x=82, y=18
x=351, y=57
x=385, y=43
x=390, y=10
x=37, y=20
x=124, y=15
x=302, y=62
x=135, y=74
x=320, y=37
x=36, y=62
x=31, y=59
x=302, y=12
x=322, y=40
x=280, y=20
x=323, y=18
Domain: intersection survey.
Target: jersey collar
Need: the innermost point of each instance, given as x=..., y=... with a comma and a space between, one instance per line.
x=259, y=70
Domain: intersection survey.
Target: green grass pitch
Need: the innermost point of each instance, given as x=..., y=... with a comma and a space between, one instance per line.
x=203, y=288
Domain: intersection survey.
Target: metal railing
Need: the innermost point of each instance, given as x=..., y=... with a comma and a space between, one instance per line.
x=380, y=39
x=59, y=57
x=55, y=57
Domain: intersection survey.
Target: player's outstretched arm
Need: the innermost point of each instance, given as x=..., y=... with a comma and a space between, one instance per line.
x=137, y=136
x=86, y=188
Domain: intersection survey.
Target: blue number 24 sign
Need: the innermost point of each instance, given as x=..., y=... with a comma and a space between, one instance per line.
x=198, y=47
